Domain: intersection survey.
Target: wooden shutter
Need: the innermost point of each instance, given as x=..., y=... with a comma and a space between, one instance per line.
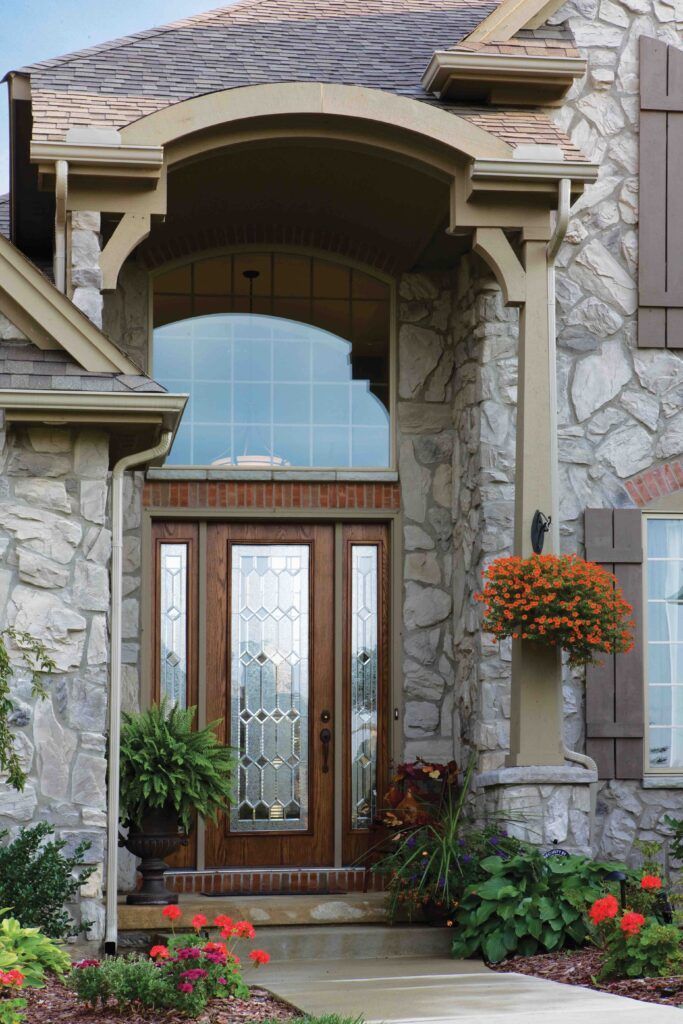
x=615, y=689
x=660, y=265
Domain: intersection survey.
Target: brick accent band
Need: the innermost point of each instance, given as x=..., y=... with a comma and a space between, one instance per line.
x=231, y=494
x=655, y=483
x=237, y=882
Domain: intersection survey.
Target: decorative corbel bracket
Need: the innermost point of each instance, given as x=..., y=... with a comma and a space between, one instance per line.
x=132, y=229
x=493, y=246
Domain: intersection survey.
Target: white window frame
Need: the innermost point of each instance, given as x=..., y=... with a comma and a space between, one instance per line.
x=649, y=771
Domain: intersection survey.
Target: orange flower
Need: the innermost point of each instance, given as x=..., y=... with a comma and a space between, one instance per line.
x=650, y=883
x=603, y=909
x=631, y=923
x=198, y=922
x=172, y=912
x=159, y=953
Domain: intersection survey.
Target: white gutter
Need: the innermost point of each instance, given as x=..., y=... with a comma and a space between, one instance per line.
x=127, y=462
x=61, y=190
x=563, y=206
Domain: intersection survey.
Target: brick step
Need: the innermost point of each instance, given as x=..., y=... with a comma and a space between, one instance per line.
x=273, y=881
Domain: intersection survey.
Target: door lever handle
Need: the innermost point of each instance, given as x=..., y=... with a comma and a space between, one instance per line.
x=325, y=738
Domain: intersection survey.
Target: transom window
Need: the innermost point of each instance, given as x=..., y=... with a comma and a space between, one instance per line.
x=664, y=635
x=285, y=357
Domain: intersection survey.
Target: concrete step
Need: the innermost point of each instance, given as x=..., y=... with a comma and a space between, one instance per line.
x=287, y=943
x=354, y=942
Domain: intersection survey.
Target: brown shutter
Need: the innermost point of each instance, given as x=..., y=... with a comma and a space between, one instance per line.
x=660, y=265
x=615, y=688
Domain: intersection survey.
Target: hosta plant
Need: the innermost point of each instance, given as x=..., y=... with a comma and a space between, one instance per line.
x=527, y=904
x=166, y=763
x=30, y=952
x=557, y=600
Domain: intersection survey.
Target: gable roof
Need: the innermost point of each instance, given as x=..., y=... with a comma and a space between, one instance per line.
x=46, y=316
x=383, y=44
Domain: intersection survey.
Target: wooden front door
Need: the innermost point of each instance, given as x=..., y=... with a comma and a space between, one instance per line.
x=270, y=677
x=291, y=654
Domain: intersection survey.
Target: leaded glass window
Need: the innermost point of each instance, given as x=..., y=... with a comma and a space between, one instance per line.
x=269, y=685
x=173, y=616
x=364, y=680
x=664, y=632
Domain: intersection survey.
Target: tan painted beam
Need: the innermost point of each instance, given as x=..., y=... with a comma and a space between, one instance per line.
x=509, y=17
x=50, y=319
x=132, y=229
x=493, y=246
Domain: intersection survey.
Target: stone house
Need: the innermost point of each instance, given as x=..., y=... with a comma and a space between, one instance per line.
x=305, y=311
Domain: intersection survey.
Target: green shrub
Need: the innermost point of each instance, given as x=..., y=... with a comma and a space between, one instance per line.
x=527, y=904
x=29, y=951
x=37, y=880
x=164, y=762
x=11, y=1010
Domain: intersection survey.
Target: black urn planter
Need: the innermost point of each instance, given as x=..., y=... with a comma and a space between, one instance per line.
x=158, y=836
x=435, y=914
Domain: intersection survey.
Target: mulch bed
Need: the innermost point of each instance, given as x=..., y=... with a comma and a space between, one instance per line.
x=55, y=1004
x=578, y=967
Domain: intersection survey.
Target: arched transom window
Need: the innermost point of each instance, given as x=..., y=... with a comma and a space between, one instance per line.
x=285, y=358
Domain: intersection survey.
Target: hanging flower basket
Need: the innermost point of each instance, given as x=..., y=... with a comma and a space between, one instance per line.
x=558, y=600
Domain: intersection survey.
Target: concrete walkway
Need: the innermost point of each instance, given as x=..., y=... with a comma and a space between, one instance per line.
x=428, y=990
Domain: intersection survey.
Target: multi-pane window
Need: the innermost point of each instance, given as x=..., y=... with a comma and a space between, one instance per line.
x=664, y=634
x=285, y=357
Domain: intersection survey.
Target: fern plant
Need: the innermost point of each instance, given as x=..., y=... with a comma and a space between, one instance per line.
x=35, y=658
x=165, y=763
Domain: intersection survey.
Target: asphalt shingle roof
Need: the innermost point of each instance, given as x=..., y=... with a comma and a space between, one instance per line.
x=25, y=367
x=383, y=44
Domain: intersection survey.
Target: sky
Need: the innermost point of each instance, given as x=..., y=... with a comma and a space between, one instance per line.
x=35, y=29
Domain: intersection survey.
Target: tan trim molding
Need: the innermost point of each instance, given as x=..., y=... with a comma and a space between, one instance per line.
x=510, y=16
x=260, y=101
x=501, y=77
x=132, y=418
x=92, y=159
x=50, y=319
x=494, y=174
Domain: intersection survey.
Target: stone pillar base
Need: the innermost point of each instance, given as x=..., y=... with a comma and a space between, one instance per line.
x=547, y=805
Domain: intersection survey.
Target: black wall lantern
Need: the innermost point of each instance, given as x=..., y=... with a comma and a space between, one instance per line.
x=540, y=525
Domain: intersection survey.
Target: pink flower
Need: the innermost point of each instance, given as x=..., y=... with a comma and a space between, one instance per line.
x=185, y=986
x=195, y=974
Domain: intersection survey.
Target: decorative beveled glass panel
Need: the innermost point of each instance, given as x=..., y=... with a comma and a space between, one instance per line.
x=269, y=685
x=173, y=625
x=364, y=678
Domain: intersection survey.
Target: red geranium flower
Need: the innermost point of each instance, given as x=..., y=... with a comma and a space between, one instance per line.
x=650, y=883
x=159, y=953
x=244, y=930
x=222, y=921
x=172, y=912
x=631, y=923
x=12, y=979
x=603, y=909
x=259, y=956
x=198, y=922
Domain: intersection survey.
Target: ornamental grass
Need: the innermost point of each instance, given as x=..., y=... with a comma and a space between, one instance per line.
x=557, y=600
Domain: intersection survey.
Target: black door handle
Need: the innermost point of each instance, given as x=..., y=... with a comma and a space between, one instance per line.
x=325, y=738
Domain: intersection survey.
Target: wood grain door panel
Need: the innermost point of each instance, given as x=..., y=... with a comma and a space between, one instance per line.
x=274, y=845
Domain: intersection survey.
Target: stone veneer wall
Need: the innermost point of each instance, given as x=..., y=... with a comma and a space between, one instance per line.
x=55, y=548
x=620, y=407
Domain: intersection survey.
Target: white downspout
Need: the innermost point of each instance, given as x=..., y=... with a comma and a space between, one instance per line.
x=561, y=224
x=127, y=462
x=61, y=191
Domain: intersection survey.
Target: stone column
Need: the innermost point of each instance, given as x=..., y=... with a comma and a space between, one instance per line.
x=85, y=276
x=536, y=697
